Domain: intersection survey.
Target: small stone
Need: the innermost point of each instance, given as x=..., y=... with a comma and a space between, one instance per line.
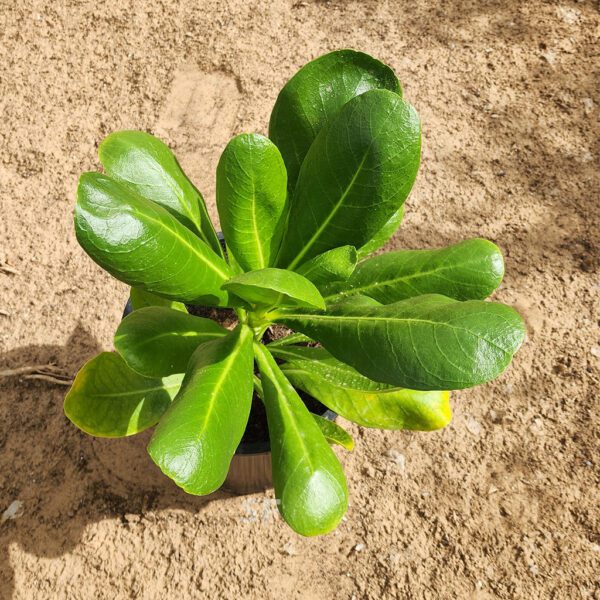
x=14, y=510
x=289, y=549
x=359, y=547
x=595, y=351
x=496, y=416
x=397, y=458
x=588, y=105
x=473, y=426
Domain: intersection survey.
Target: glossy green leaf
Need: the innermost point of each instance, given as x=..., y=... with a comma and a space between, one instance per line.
x=252, y=199
x=279, y=287
x=309, y=482
x=334, y=265
x=383, y=236
x=108, y=399
x=146, y=165
x=157, y=341
x=315, y=94
x=392, y=408
x=470, y=270
x=356, y=175
x=333, y=433
x=142, y=299
x=142, y=244
x=197, y=437
x=325, y=366
x=428, y=342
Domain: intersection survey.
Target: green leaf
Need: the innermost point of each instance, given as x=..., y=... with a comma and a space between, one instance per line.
x=470, y=270
x=333, y=433
x=315, y=94
x=141, y=299
x=348, y=394
x=333, y=265
x=383, y=236
x=425, y=343
x=145, y=164
x=197, y=437
x=252, y=199
x=356, y=175
x=157, y=341
x=293, y=338
x=325, y=366
x=108, y=399
x=278, y=287
x=142, y=244
x=309, y=482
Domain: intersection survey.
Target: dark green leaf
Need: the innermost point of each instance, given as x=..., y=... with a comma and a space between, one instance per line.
x=356, y=175
x=325, y=366
x=315, y=94
x=470, y=270
x=333, y=433
x=309, y=482
x=424, y=343
x=142, y=244
x=108, y=399
x=147, y=166
x=157, y=341
x=142, y=299
x=334, y=265
x=252, y=199
x=197, y=437
x=383, y=236
x=270, y=287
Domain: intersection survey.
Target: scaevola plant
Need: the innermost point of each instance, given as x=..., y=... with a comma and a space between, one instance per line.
x=379, y=340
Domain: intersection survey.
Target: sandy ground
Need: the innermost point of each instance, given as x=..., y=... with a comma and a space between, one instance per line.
x=501, y=504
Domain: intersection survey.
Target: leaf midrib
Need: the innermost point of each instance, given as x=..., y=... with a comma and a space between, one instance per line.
x=333, y=212
x=362, y=319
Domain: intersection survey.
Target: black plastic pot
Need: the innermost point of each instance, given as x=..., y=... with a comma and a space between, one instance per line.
x=250, y=469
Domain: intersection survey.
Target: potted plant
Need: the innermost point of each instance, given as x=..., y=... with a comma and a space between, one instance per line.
x=380, y=340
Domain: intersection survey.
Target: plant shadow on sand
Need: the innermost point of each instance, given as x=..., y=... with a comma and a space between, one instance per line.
x=63, y=479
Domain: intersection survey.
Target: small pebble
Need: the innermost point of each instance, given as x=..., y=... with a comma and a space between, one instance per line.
x=595, y=351
x=359, y=547
x=13, y=511
x=289, y=549
x=397, y=457
x=473, y=426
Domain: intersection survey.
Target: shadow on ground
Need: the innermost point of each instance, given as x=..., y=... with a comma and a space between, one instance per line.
x=65, y=479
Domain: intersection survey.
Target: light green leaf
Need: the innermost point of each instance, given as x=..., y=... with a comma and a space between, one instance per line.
x=146, y=165
x=252, y=199
x=424, y=343
x=140, y=298
x=356, y=175
x=392, y=408
x=279, y=287
x=470, y=270
x=333, y=265
x=108, y=399
x=383, y=236
x=309, y=482
x=333, y=433
x=315, y=94
x=157, y=341
x=197, y=437
x=142, y=244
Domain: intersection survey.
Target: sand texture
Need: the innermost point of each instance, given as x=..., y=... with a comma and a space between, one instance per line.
x=503, y=503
